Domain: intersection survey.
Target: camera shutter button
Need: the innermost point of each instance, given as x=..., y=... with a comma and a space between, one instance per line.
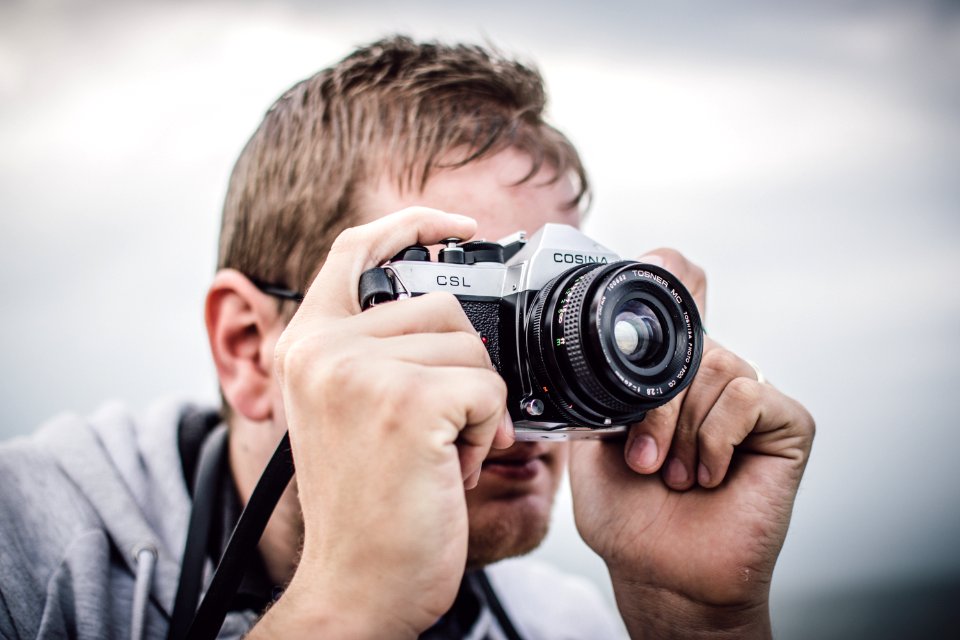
x=452, y=253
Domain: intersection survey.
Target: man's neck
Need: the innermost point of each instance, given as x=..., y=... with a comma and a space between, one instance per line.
x=251, y=445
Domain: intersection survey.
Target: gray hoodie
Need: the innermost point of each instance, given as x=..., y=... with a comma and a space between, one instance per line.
x=90, y=506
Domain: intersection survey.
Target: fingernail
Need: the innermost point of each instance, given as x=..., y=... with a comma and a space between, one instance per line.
x=472, y=481
x=653, y=259
x=676, y=472
x=703, y=475
x=643, y=452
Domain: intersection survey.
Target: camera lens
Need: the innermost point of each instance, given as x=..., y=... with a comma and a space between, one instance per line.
x=610, y=342
x=638, y=333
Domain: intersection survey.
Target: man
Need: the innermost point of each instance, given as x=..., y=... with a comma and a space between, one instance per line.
x=407, y=472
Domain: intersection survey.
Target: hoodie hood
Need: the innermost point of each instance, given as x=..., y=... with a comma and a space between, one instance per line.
x=128, y=468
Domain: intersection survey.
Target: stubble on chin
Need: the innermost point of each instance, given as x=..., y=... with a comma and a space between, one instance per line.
x=498, y=532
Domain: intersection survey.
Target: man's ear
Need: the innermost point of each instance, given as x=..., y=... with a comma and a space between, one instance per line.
x=240, y=319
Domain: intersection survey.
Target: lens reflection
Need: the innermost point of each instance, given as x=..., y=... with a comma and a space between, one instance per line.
x=638, y=333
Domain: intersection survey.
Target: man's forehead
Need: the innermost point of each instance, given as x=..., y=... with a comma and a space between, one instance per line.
x=497, y=191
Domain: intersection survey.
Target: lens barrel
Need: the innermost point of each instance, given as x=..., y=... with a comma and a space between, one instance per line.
x=607, y=343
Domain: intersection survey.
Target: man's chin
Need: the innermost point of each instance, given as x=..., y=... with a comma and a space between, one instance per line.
x=502, y=529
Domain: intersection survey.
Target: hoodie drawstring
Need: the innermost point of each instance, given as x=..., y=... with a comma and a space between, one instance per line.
x=145, y=556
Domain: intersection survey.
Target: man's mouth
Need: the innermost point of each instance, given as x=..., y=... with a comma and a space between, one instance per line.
x=517, y=463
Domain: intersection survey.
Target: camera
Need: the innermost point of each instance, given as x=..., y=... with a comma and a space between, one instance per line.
x=586, y=342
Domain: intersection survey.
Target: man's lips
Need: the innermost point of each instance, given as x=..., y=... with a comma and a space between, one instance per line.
x=519, y=453
x=520, y=462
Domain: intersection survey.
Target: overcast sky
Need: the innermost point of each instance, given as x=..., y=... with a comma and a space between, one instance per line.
x=806, y=154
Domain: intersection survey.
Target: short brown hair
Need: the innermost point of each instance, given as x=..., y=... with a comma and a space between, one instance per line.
x=396, y=108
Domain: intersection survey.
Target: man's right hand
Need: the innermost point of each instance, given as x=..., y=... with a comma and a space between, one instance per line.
x=391, y=413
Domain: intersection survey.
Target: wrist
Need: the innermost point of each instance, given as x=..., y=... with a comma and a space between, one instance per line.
x=655, y=612
x=308, y=610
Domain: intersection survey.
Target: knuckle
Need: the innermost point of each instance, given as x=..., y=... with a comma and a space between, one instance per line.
x=710, y=440
x=291, y=358
x=394, y=407
x=689, y=269
x=300, y=349
x=499, y=386
x=339, y=371
x=497, y=393
x=489, y=387
x=321, y=378
x=448, y=308
x=806, y=421
x=280, y=351
x=720, y=362
x=471, y=346
x=397, y=397
x=672, y=256
x=690, y=273
x=744, y=391
x=348, y=241
x=351, y=381
x=447, y=301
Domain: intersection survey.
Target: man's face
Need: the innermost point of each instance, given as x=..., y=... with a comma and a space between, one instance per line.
x=509, y=510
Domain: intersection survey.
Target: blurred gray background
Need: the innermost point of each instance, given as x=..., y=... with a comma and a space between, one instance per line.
x=805, y=154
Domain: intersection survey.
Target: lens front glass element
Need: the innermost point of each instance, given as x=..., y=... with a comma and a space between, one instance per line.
x=608, y=342
x=639, y=333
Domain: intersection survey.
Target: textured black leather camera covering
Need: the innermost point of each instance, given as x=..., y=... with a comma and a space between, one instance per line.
x=485, y=317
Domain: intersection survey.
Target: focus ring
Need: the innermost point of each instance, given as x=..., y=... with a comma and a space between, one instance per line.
x=576, y=358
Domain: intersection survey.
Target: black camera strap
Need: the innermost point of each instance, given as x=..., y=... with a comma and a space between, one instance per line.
x=496, y=607
x=191, y=623
x=207, y=469
x=243, y=544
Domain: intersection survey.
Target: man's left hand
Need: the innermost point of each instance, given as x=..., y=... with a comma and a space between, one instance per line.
x=691, y=512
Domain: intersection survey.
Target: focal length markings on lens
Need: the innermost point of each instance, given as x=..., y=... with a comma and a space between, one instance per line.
x=614, y=340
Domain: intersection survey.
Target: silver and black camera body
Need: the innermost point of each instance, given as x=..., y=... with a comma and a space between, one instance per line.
x=587, y=343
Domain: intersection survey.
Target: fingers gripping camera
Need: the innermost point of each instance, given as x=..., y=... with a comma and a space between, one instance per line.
x=587, y=343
